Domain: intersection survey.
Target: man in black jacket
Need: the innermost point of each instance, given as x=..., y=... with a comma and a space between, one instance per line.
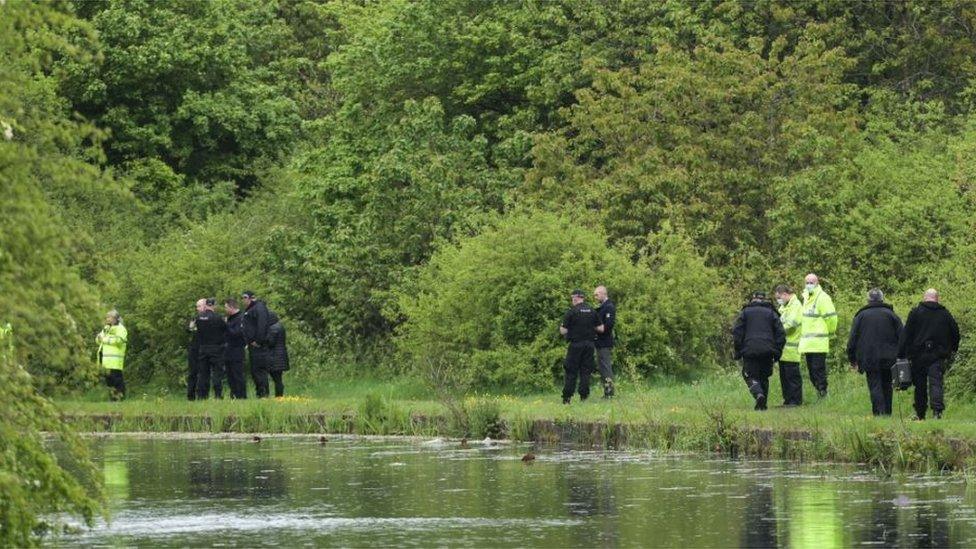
x=930, y=338
x=234, y=349
x=209, y=339
x=759, y=338
x=580, y=326
x=607, y=312
x=256, y=324
x=873, y=346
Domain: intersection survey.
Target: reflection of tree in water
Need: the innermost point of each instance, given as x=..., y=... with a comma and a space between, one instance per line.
x=215, y=478
x=759, y=527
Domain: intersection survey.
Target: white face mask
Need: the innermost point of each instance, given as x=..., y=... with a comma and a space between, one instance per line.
x=810, y=287
x=781, y=301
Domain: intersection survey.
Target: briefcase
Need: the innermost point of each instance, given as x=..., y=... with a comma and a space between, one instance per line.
x=901, y=374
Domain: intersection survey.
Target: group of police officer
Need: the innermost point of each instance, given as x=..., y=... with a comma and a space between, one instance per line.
x=763, y=334
x=218, y=346
x=589, y=332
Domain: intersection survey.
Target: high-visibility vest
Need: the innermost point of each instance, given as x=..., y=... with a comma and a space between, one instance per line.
x=111, y=349
x=819, y=322
x=791, y=314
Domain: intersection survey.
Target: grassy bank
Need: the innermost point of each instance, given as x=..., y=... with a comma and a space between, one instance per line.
x=714, y=415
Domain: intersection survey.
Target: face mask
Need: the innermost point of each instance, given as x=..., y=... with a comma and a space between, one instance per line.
x=810, y=287
x=781, y=301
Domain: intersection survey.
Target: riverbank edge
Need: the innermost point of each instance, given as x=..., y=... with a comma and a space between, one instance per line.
x=887, y=450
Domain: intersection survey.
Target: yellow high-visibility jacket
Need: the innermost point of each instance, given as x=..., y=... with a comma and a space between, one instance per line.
x=819, y=321
x=791, y=314
x=111, y=349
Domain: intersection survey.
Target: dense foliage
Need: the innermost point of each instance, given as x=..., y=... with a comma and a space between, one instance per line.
x=351, y=160
x=34, y=485
x=488, y=304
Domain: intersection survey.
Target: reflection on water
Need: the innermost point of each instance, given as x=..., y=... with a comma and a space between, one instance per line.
x=354, y=492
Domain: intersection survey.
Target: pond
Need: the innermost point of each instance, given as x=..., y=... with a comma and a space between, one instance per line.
x=296, y=491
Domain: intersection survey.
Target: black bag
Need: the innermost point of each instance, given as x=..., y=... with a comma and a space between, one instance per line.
x=901, y=374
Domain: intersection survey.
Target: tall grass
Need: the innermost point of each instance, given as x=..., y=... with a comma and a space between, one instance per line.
x=713, y=415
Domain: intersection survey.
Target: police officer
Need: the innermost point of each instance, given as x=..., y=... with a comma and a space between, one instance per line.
x=873, y=346
x=929, y=340
x=256, y=324
x=210, y=334
x=818, y=325
x=234, y=349
x=791, y=315
x=607, y=312
x=759, y=339
x=580, y=326
x=112, y=341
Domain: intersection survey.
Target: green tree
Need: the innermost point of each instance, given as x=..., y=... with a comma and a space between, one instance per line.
x=696, y=138
x=374, y=205
x=47, y=280
x=198, y=87
x=34, y=485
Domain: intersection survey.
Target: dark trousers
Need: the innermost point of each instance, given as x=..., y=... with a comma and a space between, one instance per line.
x=604, y=362
x=191, y=374
x=261, y=359
x=578, y=365
x=116, y=384
x=817, y=368
x=879, y=385
x=210, y=369
x=261, y=387
x=235, y=377
x=927, y=375
x=279, y=383
x=791, y=382
x=756, y=372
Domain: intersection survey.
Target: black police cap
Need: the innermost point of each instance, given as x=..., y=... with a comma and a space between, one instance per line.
x=578, y=293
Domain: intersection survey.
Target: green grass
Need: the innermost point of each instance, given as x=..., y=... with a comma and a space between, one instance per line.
x=713, y=414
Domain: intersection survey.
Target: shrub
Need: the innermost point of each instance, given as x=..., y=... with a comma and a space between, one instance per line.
x=484, y=418
x=494, y=302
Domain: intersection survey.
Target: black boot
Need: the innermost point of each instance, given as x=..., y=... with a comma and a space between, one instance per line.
x=760, y=402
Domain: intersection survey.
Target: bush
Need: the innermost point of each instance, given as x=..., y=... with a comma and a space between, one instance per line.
x=484, y=418
x=494, y=302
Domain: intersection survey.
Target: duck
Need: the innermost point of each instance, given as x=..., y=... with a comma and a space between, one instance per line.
x=255, y=438
x=323, y=440
x=528, y=457
x=464, y=443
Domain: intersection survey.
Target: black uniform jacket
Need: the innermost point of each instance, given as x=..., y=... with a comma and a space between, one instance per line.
x=930, y=333
x=758, y=332
x=874, y=336
x=581, y=322
x=279, y=348
x=235, y=338
x=257, y=319
x=211, y=330
x=607, y=312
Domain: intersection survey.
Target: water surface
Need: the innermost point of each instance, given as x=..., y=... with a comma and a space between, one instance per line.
x=357, y=492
